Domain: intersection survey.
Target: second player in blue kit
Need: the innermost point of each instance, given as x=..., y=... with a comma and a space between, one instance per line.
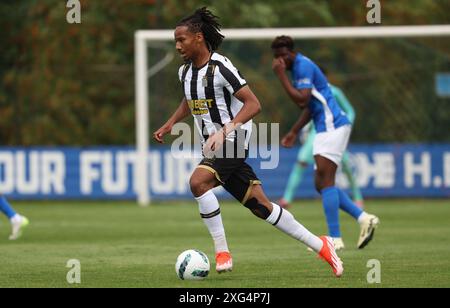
x=309, y=89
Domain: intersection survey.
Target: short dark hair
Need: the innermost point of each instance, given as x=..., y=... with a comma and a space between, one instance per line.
x=283, y=41
x=206, y=22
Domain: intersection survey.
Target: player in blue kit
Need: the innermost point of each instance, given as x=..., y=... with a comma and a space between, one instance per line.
x=305, y=155
x=311, y=92
x=18, y=222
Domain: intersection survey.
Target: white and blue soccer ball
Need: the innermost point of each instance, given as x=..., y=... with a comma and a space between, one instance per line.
x=192, y=265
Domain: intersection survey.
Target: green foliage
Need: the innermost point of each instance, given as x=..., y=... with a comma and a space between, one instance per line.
x=63, y=84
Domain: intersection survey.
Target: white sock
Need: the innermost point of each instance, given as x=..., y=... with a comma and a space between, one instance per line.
x=362, y=217
x=16, y=219
x=284, y=221
x=210, y=211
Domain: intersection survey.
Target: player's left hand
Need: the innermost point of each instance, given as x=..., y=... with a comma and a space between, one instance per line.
x=278, y=66
x=215, y=142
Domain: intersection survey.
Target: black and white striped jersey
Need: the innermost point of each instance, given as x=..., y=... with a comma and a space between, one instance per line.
x=209, y=92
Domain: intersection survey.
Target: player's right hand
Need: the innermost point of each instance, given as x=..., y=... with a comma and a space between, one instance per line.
x=278, y=66
x=288, y=140
x=159, y=134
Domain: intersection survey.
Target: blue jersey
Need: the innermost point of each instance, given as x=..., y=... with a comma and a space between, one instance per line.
x=325, y=111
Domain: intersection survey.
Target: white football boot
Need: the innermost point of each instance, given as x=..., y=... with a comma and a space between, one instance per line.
x=18, y=224
x=338, y=243
x=368, y=225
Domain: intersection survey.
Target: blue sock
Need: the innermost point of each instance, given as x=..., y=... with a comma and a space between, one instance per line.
x=6, y=208
x=330, y=200
x=347, y=205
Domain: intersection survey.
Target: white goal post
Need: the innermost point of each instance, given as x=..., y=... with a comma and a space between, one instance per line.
x=143, y=37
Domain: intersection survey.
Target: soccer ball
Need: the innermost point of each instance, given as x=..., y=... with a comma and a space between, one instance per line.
x=192, y=265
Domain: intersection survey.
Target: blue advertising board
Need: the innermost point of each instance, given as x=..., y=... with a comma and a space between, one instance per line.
x=384, y=170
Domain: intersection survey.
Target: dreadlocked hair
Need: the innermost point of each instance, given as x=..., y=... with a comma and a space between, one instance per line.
x=206, y=22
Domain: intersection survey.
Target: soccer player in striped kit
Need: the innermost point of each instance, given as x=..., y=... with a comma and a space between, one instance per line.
x=223, y=106
x=311, y=91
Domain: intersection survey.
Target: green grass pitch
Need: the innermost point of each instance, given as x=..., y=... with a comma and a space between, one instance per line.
x=121, y=245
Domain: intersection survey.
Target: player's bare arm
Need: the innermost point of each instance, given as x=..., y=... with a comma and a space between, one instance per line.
x=300, y=97
x=251, y=108
x=182, y=112
x=289, y=139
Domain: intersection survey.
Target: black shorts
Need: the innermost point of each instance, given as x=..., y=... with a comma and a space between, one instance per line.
x=234, y=174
